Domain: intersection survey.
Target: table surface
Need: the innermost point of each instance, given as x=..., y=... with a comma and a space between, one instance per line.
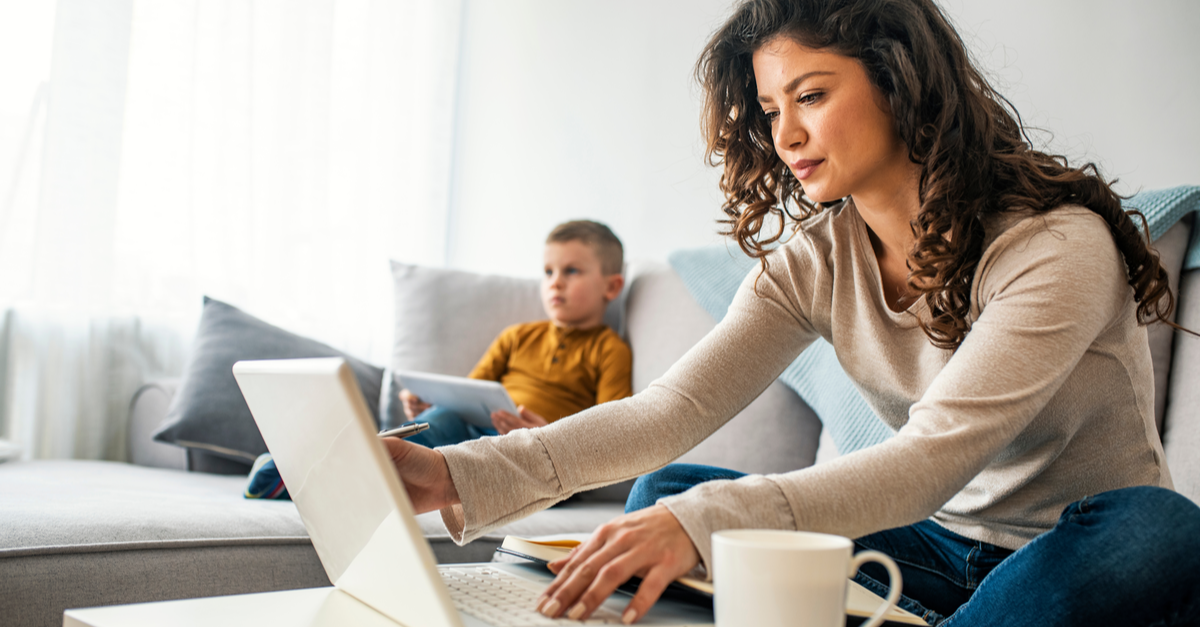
x=309, y=607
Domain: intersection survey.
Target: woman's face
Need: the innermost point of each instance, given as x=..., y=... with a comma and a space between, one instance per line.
x=829, y=123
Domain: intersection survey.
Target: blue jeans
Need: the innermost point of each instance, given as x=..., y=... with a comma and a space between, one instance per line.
x=446, y=428
x=1125, y=557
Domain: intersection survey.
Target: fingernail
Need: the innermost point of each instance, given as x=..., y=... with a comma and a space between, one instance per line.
x=629, y=616
x=551, y=608
x=537, y=607
x=577, y=612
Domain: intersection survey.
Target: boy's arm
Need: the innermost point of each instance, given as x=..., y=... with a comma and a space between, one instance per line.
x=494, y=363
x=616, y=371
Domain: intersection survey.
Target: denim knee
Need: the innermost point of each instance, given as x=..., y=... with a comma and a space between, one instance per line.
x=1124, y=557
x=1145, y=539
x=653, y=486
x=643, y=494
x=1167, y=515
x=1159, y=506
x=670, y=480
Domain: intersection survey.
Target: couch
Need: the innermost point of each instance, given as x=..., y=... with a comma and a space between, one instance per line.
x=167, y=525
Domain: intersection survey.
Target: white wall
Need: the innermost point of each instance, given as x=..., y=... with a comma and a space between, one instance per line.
x=1116, y=81
x=573, y=109
x=580, y=110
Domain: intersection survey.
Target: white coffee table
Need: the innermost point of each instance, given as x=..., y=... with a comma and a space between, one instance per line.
x=308, y=607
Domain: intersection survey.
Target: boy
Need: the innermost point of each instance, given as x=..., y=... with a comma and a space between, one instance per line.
x=557, y=367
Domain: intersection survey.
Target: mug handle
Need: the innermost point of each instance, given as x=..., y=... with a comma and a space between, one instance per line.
x=895, y=583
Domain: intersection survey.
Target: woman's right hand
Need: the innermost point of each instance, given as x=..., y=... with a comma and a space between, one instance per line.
x=649, y=543
x=413, y=405
x=424, y=473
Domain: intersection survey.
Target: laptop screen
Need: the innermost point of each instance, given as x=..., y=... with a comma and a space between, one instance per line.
x=321, y=435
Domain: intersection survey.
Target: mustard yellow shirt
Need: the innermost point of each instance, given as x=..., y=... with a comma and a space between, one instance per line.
x=558, y=372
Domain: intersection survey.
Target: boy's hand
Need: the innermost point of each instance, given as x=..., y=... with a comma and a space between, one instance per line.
x=524, y=419
x=413, y=405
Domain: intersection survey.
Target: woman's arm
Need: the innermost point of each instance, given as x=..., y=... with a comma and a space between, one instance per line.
x=502, y=479
x=1052, y=286
x=1047, y=301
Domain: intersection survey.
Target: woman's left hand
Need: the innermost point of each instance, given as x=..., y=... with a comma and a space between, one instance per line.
x=648, y=543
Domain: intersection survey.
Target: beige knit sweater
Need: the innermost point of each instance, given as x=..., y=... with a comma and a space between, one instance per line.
x=1049, y=398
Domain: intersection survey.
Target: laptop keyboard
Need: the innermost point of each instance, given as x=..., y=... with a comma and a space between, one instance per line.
x=506, y=600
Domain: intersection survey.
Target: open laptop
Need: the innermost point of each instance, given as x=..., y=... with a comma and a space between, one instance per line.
x=321, y=434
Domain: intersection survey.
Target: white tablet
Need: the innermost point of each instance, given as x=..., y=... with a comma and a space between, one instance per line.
x=472, y=399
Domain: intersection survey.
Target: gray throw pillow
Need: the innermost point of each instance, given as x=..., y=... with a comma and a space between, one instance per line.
x=208, y=412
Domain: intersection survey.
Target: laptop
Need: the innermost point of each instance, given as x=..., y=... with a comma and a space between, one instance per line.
x=318, y=428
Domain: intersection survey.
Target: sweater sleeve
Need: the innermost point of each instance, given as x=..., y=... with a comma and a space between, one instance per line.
x=504, y=478
x=1046, y=296
x=616, y=370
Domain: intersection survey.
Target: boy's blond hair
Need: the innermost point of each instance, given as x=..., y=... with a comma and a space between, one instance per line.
x=601, y=238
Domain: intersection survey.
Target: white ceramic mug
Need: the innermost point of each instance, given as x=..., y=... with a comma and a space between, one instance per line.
x=770, y=578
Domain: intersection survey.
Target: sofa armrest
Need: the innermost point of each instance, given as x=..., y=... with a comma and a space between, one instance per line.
x=146, y=413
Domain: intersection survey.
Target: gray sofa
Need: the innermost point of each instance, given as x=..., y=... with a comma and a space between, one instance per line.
x=86, y=533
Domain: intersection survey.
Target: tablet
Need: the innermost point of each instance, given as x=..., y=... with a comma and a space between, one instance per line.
x=472, y=399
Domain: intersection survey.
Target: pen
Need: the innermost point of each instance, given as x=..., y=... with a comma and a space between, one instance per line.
x=405, y=430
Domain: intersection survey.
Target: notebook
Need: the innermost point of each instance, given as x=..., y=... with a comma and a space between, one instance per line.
x=323, y=439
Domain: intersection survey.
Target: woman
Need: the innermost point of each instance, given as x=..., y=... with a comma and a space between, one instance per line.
x=988, y=300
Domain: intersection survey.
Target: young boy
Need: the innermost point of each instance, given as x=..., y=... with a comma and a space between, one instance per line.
x=557, y=367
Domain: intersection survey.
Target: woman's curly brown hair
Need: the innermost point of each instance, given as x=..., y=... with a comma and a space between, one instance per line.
x=974, y=155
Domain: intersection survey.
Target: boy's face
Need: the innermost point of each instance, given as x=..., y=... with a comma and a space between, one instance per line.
x=575, y=290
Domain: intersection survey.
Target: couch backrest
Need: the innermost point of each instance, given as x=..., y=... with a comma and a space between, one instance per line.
x=1181, y=423
x=1176, y=358
x=444, y=320
x=1172, y=248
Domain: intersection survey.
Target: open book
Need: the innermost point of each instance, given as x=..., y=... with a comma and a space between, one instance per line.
x=860, y=602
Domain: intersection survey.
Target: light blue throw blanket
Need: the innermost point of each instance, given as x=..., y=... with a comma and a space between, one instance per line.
x=712, y=274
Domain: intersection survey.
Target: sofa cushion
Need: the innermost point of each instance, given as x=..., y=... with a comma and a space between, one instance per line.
x=1181, y=423
x=86, y=533
x=446, y=319
x=1172, y=248
x=208, y=411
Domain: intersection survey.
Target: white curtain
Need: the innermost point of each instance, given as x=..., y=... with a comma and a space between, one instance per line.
x=273, y=154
